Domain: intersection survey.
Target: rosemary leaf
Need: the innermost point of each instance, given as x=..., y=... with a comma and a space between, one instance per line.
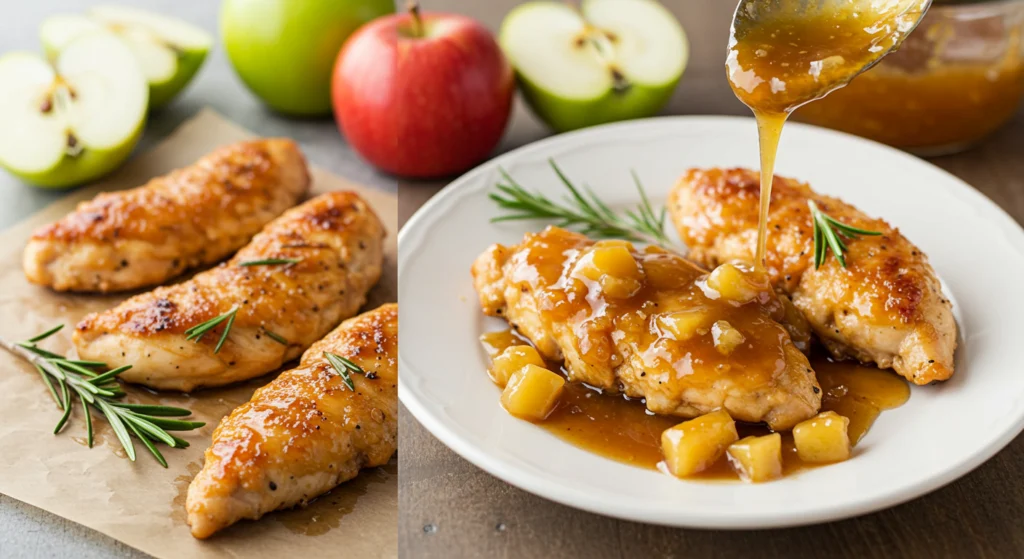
x=49, y=384
x=66, y=404
x=112, y=373
x=149, y=444
x=343, y=366
x=165, y=411
x=88, y=419
x=172, y=424
x=828, y=233
x=276, y=337
x=40, y=351
x=270, y=262
x=118, y=426
x=45, y=334
x=224, y=336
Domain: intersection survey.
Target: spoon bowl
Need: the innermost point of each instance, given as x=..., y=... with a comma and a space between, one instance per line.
x=785, y=53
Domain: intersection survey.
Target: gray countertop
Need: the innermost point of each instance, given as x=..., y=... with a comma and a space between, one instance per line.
x=26, y=531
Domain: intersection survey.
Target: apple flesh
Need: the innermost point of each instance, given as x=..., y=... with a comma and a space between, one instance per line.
x=169, y=51
x=609, y=60
x=423, y=96
x=74, y=120
x=284, y=50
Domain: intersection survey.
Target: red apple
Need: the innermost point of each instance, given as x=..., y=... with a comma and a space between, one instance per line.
x=422, y=95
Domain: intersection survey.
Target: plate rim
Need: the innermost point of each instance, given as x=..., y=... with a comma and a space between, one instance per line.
x=734, y=521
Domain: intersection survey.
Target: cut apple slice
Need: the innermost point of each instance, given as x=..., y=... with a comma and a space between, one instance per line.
x=72, y=120
x=168, y=50
x=608, y=60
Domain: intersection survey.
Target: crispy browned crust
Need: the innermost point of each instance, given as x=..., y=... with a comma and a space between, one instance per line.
x=338, y=241
x=306, y=431
x=191, y=217
x=716, y=214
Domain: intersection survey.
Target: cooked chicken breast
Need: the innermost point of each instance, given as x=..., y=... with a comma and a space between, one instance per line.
x=885, y=307
x=305, y=432
x=192, y=217
x=279, y=308
x=649, y=324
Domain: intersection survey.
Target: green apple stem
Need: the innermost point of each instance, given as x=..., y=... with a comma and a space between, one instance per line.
x=417, y=19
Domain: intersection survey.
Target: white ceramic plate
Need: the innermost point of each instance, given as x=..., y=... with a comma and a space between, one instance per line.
x=939, y=435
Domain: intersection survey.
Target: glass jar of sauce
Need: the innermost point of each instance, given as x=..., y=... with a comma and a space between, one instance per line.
x=957, y=78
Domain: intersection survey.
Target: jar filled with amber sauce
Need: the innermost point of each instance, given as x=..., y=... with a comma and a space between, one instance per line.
x=957, y=78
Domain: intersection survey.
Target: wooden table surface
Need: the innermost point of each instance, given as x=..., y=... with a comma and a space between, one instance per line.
x=450, y=508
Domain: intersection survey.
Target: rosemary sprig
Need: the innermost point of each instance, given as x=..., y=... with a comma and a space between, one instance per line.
x=271, y=262
x=587, y=213
x=276, y=337
x=196, y=332
x=828, y=233
x=343, y=366
x=99, y=389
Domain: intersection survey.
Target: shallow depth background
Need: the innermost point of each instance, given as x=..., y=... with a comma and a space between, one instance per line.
x=26, y=531
x=450, y=508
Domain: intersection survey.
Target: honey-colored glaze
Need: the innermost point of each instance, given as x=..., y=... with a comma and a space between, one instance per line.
x=620, y=344
x=775, y=65
x=941, y=108
x=622, y=429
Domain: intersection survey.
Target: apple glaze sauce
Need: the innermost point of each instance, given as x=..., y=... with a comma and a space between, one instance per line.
x=621, y=428
x=599, y=412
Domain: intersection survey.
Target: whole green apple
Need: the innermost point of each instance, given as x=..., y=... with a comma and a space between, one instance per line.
x=284, y=50
x=73, y=119
x=608, y=60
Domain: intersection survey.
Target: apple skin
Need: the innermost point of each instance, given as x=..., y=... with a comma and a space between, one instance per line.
x=284, y=50
x=88, y=166
x=189, y=63
x=563, y=115
x=423, y=107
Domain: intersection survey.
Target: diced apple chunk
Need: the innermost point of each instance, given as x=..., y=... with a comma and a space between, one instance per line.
x=734, y=284
x=683, y=325
x=694, y=445
x=613, y=266
x=511, y=360
x=757, y=459
x=532, y=392
x=823, y=438
x=496, y=342
x=727, y=338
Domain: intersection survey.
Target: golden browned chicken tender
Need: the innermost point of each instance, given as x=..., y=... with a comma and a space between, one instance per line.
x=192, y=217
x=652, y=325
x=305, y=432
x=885, y=307
x=313, y=268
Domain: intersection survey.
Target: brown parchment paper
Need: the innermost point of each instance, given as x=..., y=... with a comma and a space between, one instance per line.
x=141, y=503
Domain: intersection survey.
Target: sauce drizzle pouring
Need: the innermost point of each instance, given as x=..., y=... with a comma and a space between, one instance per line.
x=784, y=54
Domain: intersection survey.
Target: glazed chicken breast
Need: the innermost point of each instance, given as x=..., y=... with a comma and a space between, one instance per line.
x=190, y=218
x=305, y=432
x=885, y=307
x=302, y=275
x=650, y=324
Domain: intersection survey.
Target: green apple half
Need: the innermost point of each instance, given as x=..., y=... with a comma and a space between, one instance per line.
x=169, y=51
x=75, y=119
x=608, y=60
